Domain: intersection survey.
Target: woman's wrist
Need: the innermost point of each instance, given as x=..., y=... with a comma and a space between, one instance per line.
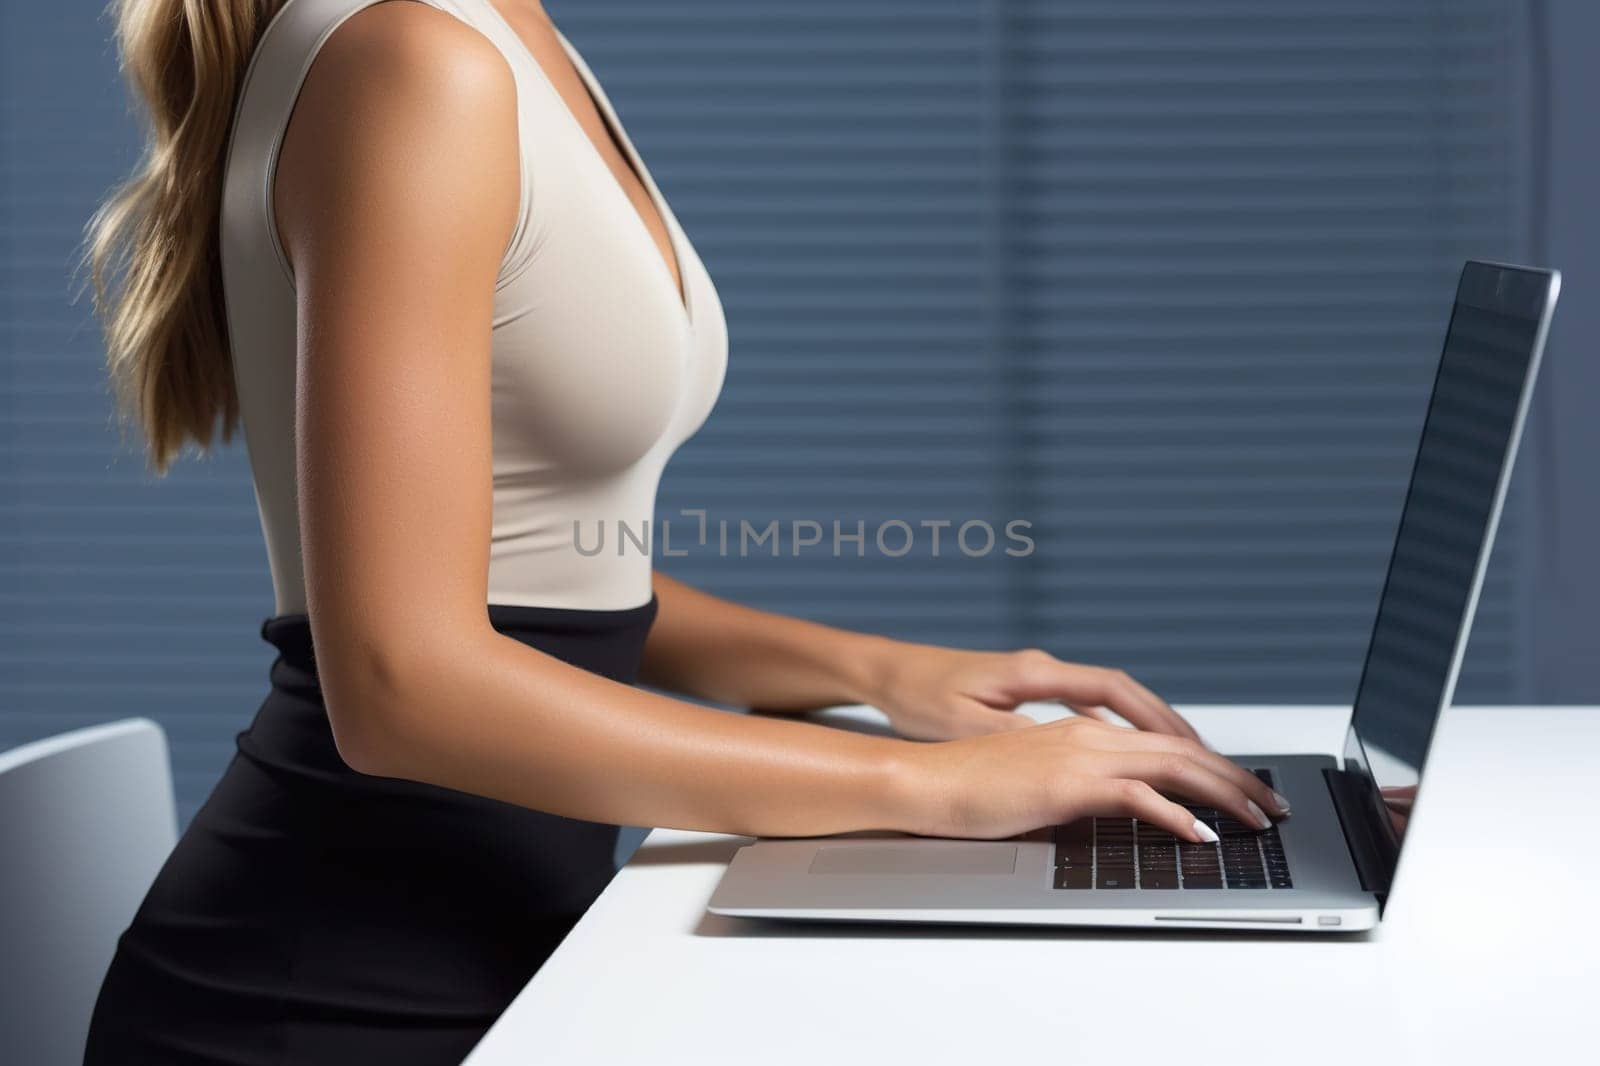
x=906, y=796
x=867, y=665
x=912, y=800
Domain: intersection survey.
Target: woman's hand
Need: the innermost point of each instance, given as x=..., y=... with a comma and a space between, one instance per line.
x=934, y=693
x=1010, y=782
x=1399, y=799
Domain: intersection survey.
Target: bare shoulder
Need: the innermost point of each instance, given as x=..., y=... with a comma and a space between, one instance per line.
x=413, y=47
x=403, y=104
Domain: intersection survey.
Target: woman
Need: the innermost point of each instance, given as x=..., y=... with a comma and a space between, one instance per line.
x=407, y=244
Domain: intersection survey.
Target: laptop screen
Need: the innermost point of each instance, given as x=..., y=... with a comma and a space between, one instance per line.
x=1446, y=527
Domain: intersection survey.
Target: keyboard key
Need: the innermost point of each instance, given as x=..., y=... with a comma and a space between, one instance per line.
x=1074, y=877
x=1079, y=832
x=1074, y=854
x=1114, y=877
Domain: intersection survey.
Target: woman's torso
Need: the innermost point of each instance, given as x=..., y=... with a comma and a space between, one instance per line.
x=601, y=366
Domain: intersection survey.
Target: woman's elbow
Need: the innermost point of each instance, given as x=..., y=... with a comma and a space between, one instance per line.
x=371, y=697
x=361, y=744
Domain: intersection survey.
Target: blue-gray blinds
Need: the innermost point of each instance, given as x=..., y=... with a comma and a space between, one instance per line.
x=1168, y=280
x=1165, y=280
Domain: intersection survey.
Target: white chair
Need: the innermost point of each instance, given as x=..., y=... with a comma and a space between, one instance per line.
x=86, y=820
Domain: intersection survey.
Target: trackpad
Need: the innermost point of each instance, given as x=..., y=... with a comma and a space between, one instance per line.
x=901, y=859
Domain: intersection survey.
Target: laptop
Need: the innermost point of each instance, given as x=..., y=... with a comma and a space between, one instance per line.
x=1329, y=866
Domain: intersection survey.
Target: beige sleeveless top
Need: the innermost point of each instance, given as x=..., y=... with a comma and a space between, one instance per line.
x=600, y=369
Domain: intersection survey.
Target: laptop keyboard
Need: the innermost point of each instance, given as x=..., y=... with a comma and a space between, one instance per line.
x=1126, y=853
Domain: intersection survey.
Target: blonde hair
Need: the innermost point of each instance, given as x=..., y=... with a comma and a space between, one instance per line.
x=152, y=248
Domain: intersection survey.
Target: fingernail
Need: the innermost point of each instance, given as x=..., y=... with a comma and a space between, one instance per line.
x=1282, y=802
x=1206, y=833
x=1262, y=821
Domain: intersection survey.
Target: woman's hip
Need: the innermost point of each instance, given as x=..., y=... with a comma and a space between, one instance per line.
x=312, y=904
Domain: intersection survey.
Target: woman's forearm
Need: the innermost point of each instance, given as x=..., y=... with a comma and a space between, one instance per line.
x=480, y=712
x=712, y=649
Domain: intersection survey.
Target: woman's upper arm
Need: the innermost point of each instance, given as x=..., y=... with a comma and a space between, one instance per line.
x=396, y=194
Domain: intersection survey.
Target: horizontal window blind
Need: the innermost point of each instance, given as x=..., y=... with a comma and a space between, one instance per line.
x=1236, y=230
x=1165, y=280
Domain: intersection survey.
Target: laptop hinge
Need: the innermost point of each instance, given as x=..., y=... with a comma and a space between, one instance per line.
x=1372, y=851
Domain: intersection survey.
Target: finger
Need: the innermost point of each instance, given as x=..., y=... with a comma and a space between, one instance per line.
x=1136, y=799
x=1174, y=773
x=1399, y=801
x=1044, y=677
x=1142, y=708
x=980, y=720
x=1158, y=715
x=1102, y=714
x=1087, y=711
x=1167, y=710
x=1400, y=793
x=1248, y=783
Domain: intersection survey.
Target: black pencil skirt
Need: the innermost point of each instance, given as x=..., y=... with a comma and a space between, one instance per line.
x=314, y=915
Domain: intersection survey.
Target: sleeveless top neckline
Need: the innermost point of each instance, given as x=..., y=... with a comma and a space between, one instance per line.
x=601, y=368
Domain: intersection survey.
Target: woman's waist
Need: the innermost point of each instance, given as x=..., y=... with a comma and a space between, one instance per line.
x=609, y=643
x=291, y=737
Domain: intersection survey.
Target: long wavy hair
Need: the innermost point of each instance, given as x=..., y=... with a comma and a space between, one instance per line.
x=152, y=248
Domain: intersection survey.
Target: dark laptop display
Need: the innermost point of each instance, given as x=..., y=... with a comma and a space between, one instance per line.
x=1446, y=529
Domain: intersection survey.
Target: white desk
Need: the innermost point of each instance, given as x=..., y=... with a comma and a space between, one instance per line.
x=1489, y=951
